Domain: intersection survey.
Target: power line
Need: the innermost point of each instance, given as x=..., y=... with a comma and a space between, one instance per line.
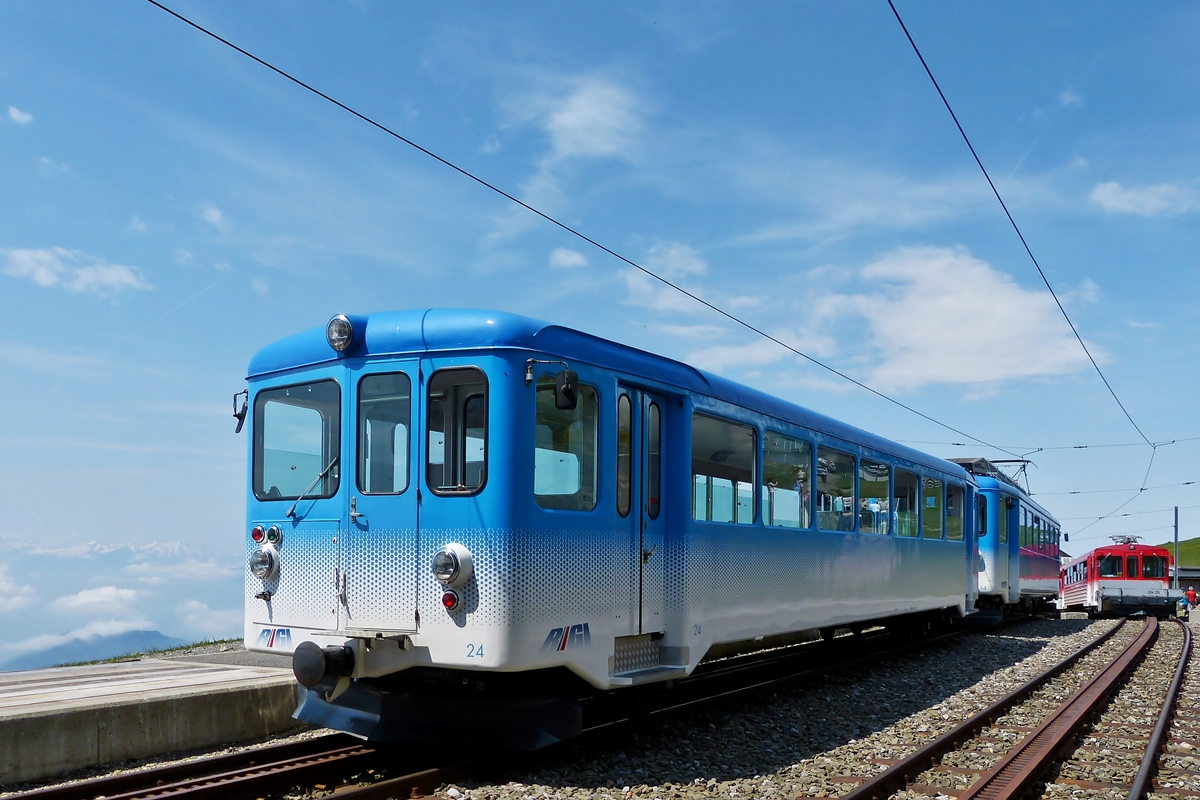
x=568, y=228
x=1029, y=449
x=1129, y=514
x=1013, y=222
x=1114, y=491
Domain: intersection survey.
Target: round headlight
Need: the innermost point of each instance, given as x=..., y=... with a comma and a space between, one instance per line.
x=453, y=565
x=339, y=333
x=264, y=563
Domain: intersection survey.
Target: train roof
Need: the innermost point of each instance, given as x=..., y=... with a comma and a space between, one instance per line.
x=442, y=329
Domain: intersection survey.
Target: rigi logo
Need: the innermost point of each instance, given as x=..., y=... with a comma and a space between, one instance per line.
x=568, y=636
x=274, y=637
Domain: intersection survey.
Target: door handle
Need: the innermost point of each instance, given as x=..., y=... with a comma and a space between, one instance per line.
x=354, y=515
x=648, y=554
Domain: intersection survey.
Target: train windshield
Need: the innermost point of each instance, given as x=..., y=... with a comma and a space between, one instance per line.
x=296, y=440
x=1110, y=567
x=1154, y=567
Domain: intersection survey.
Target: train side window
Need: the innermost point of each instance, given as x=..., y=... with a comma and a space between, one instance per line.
x=724, y=463
x=905, y=519
x=1131, y=566
x=654, y=465
x=456, y=421
x=624, y=453
x=1024, y=527
x=564, y=451
x=835, y=490
x=983, y=521
x=384, y=407
x=787, y=483
x=874, y=487
x=1154, y=567
x=1110, y=566
x=955, y=500
x=1002, y=519
x=297, y=441
x=933, y=522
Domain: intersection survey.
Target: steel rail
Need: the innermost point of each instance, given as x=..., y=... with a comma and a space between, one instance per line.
x=1142, y=782
x=897, y=775
x=1029, y=758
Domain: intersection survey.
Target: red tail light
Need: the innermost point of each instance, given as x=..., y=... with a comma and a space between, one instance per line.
x=450, y=599
x=257, y=534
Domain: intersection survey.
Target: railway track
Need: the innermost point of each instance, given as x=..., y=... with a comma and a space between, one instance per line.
x=1004, y=750
x=336, y=760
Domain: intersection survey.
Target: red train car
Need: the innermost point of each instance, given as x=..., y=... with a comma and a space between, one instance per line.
x=1119, y=579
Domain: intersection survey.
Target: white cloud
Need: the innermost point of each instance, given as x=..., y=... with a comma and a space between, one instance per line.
x=934, y=304
x=18, y=116
x=12, y=596
x=51, y=168
x=1070, y=99
x=491, y=145
x=260, y=286
x=215, y=217
x=92, y=630
x=199, y=618
x=154, y=572
x=102, y=600
x=597, y=118
x=73, y=270
x=135, y=224
x=674, y=259
x=563, y=258
x=1161, y=199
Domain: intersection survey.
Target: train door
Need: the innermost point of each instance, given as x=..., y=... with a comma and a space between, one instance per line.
x=377, y=576
x=1008, y=548
x=646, y=429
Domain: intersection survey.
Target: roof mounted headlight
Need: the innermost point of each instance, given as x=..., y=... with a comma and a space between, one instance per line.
x=264, y=563
x=339, y=332
x=453, y=565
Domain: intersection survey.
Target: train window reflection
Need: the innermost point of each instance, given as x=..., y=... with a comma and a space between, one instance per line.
x=564, y=450
x=835, y=490
x=955, y=499
x=787, y=484
x=624, y=453
x=1154, y=567
x=932, y=521
x=874, y=487
x=1110, y=567
x=1002, y=512
x=904, y=504
x=384, y=402
x=456, y=459
x=724, y=456
x=296, y=439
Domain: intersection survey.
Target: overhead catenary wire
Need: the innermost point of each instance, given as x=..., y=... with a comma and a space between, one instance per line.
x=1015, y=227
x=1115, y=491
x=573, y=231
x=1047, y=448
x=1130, y=514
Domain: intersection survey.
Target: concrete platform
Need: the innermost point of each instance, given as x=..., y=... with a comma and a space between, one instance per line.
x=54, y=721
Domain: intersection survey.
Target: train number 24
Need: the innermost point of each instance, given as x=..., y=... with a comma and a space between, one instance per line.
x=474, y=651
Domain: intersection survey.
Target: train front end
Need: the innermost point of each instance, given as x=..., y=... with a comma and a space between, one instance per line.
x=374, y=555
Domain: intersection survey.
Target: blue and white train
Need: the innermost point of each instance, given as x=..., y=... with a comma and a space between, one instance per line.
x=461, y=522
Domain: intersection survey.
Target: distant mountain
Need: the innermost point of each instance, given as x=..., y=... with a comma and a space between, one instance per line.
x=95, y=648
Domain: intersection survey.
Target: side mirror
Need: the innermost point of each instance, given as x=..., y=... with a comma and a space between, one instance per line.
x=566, y=394
x=240, y=416
x=1066, y=537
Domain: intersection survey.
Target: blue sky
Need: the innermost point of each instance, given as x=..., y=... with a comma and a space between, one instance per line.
x=169, y=207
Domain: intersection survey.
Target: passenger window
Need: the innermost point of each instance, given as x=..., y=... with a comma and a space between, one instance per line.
x=1110, y=567
x=384, y=404
x=955, y=498
x=624, y=453
x=932, y=522
x=905, y=504
x=296, y=441
x=654, y=463
x=787, y=489
x=983, y=520
x=1154, y=567
x=874, y=487
x=456, y=461
x=564, y=453
x=1131, y=566
x=835, y=490
x=1002, y=512
x=724, y=460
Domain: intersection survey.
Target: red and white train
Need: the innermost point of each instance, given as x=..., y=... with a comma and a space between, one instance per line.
x=1119, y=579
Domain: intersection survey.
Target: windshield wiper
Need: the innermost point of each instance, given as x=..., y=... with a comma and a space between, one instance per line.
x=291, y=512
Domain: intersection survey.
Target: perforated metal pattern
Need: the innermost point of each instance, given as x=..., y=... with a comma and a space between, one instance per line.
x=381, y=579
x=303, y=593
x=528, y=576
x=633, y=653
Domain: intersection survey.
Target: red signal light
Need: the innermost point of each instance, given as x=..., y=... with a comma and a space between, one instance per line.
x=257, y=534
x=450, y=599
